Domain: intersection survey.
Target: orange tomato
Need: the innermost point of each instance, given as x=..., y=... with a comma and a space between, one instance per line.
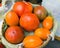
x=28, y=7
x=14, y=34
x=19, y=8
x=48, y=22
x=29, y=21
x=42, y=33
x=32, y=41
x=11, y=18
x=0, y=4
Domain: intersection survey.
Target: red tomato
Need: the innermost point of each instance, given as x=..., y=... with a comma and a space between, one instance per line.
x=19, y=8
x=14, y=34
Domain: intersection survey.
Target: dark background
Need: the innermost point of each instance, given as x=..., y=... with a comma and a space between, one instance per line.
x=53, y=44
x=35, y=1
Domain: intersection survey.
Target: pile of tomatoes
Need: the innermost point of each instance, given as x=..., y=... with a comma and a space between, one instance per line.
x=25, y=17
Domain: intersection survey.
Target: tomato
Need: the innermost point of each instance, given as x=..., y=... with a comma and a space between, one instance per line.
x=43, y=33
x=28, y=7
x=12, y=18
x=14, y=34
x=48, y=22
x=41, y=12
x=0, y=4
x=32, y=41
x=29, y=21
x=19, y=8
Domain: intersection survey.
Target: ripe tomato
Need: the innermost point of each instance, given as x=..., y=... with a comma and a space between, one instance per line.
x=43, y=33
x=29, y=21
x=48, y=22
x=19, y=8
x=32, y=41
x=0, y=4
x=28, y=7
x=11, y=18
x=14, y=34
x=41, y=12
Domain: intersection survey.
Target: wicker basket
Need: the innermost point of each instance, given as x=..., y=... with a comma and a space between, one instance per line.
x=9, y=45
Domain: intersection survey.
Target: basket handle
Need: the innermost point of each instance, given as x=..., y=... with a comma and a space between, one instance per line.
x=54, y=30
x=1, y=29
